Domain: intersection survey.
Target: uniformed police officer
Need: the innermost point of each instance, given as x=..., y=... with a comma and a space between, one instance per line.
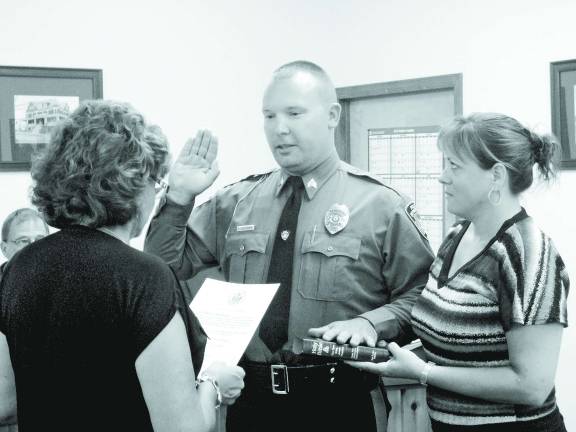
x=360, y=258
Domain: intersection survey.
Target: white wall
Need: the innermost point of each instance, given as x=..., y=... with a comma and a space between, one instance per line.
x=192, y=64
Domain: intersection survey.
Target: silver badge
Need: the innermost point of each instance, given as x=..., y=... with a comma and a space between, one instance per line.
x=284, y=235
x=336, y=218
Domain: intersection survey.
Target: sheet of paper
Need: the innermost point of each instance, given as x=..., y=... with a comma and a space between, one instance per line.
x=230, y=314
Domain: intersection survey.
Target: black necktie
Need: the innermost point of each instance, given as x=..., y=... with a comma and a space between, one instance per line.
x=274, y=325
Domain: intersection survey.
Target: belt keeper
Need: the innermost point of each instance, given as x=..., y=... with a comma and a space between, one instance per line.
x=423, y=379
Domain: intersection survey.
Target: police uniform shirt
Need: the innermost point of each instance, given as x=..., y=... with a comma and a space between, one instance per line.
x=374, y=266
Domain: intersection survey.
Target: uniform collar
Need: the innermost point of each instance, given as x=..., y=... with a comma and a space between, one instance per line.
x=315, y=179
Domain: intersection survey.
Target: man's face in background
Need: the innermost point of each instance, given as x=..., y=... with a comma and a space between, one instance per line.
x=22, y=233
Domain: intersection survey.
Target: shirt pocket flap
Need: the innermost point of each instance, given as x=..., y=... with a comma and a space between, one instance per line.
x=332, y=246
x=244, y=242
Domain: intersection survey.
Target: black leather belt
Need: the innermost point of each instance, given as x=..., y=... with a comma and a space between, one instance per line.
x=281, y=379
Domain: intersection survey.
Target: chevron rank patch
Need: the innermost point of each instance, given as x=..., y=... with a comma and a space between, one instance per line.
x=415, y=218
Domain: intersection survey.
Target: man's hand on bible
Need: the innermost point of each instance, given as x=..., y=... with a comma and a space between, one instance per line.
x=356, y=331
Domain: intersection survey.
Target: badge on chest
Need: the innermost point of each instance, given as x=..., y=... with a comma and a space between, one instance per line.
x=336, y=218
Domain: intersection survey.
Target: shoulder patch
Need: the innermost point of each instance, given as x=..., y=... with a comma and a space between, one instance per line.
x=415, y=218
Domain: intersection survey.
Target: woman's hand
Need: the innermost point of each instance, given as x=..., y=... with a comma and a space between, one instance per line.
x=230, y=380
x=403, y=363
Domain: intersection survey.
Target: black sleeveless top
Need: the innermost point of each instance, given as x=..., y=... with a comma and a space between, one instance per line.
x=77, y=308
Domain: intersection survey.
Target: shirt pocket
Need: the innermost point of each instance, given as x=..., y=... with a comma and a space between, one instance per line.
x=244, y=256
x=327, y=266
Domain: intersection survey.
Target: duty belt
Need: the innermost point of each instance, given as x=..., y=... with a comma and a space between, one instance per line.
x=281, y=379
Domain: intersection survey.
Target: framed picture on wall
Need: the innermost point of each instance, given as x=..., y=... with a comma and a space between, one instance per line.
x=562, y=86
x=32, y=101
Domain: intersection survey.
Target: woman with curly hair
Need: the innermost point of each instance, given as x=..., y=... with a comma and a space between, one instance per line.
x=95, y=334
x=492, y=314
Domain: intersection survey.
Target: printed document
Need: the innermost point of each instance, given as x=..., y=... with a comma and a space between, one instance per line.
x=230, y=314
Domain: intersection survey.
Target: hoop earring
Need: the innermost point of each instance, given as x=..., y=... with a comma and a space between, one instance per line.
x=494, y=201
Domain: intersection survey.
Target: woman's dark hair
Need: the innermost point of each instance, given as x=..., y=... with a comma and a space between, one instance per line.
x=490, y=138
x=97, y=163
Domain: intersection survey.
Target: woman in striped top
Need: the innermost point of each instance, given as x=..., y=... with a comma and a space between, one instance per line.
x=492, y=314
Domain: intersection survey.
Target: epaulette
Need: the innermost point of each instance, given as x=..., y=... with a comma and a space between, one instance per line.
x=361, y=173
x=366, y=175
x=409, y=206
x=251, y=178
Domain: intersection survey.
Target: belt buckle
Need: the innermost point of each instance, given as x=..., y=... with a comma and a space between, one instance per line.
x=279, y=375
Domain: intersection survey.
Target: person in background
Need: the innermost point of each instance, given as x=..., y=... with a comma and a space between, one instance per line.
x=347, y=250
x=93, y=333
x=492, y=314
x=20, y=228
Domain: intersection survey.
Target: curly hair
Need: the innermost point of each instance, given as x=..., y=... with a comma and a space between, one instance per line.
x=489, y=138
x=97, y=163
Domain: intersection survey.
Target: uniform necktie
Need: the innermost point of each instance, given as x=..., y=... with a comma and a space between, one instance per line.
x=274, y=325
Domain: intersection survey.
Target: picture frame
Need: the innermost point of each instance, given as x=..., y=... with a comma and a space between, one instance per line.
x=32, y=101
x=562, y=89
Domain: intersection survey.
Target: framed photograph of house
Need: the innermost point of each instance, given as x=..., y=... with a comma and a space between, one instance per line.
x=32, y=101
x=563, y=86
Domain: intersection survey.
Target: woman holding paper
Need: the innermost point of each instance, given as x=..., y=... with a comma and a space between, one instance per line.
x=492, y=314
x=95, y=334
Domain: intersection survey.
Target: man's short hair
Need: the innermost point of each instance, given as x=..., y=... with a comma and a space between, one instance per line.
x=304, y=66
x=17, y=216
x=292, y=68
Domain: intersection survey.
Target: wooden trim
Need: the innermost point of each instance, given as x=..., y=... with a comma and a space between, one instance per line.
x=49, y=72
x=556, y=103
x=416, y=85
x=458, y=94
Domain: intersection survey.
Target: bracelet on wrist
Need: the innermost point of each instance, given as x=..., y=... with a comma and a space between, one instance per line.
x=423, y=378
x=371, y=324
x=207, y=378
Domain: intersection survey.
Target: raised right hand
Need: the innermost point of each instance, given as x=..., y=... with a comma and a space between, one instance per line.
x=195, y=169
x=230, y=380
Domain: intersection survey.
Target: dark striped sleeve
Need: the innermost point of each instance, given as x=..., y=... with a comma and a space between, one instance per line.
x=534, y=280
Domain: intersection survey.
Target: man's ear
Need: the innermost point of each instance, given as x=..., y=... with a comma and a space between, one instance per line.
x=4, y=246
x=334, y=115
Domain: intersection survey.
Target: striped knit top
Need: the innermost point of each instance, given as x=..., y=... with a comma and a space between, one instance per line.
x=518, y=278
